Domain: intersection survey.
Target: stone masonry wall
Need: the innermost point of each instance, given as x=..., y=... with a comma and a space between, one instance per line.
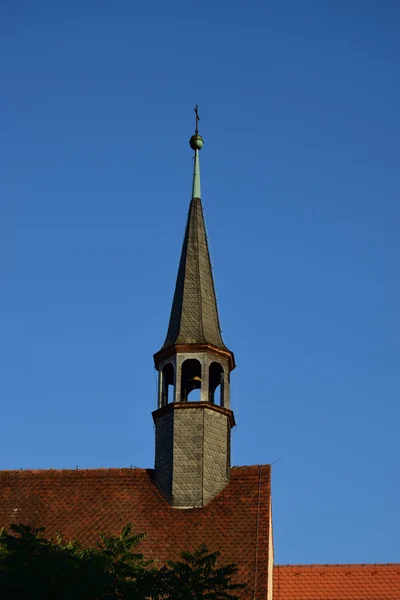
x=164, y=453
x=188, y=457
x=216, y=459
x=192, y=455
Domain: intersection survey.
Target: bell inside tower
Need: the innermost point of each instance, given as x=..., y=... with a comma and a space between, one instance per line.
x=191, y=378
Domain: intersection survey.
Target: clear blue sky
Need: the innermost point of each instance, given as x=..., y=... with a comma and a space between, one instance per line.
x=299, y=105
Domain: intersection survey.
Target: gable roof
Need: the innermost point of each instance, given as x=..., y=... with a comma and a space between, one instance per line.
x=337, y=582
x=83, y=503
x=194, y=314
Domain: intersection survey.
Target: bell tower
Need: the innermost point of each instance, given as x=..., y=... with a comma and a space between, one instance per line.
x=192, y=458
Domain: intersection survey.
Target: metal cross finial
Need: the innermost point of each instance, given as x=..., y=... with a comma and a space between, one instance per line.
x=196, y=110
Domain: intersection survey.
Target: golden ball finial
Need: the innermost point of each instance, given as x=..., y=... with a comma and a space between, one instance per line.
x=196, y=142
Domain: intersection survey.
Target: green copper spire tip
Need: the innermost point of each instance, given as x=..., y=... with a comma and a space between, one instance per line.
x=196, y=193
x=196, y=143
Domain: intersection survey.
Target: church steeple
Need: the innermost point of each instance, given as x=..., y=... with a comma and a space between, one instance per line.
x=192, y=462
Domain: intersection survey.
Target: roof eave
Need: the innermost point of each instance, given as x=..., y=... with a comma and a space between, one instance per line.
x=194, y=348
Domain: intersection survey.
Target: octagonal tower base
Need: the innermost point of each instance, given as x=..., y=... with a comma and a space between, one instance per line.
x=192, y=460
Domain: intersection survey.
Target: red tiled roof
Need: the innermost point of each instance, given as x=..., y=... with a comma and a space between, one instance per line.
x=337, y=582
x=80, y=504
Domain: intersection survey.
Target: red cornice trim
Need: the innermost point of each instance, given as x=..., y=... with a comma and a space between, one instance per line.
x=189, y=405
x=188, y=348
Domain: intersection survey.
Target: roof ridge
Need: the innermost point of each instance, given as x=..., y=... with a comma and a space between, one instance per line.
x=90, y=469
x=351, y=565
x=254, y=467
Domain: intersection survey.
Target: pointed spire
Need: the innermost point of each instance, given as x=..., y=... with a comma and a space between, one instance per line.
x=194, y=315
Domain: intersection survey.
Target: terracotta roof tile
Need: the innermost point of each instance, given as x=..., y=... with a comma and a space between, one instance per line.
x=337, y=582
x=82, y=503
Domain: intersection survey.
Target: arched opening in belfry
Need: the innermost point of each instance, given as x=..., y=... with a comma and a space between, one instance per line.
x=168, y=381
x=215, y=381
x=191, y=380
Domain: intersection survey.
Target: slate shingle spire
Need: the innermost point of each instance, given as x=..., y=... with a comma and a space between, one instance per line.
x=194, y=315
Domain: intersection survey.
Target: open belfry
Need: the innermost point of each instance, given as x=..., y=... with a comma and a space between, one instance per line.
x=193, y=495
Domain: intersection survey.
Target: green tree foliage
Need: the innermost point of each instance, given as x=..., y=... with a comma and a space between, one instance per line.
x=33, y=567
x=197, y=577
x=130, y=575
